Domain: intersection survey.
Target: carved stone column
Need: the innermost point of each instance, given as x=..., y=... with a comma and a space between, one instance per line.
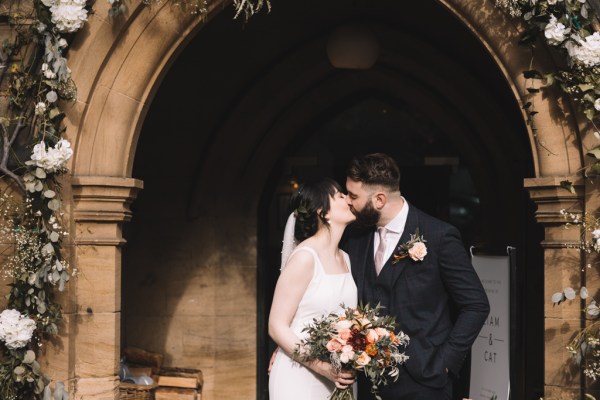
x=100, y=207
x=562, y=268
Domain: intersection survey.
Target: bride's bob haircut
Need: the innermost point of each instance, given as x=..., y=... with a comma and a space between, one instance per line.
x=310, y=203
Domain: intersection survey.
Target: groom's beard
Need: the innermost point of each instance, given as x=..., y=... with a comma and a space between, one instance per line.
x=367, y=217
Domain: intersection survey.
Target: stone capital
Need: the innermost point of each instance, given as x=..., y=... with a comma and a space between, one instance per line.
x=103, y=198
x=550, y=197
x=100, y=206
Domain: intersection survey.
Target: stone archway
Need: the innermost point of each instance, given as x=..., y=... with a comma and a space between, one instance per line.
x=130, y=57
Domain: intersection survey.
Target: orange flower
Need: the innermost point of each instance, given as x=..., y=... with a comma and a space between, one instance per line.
x=393, y=337
x=371, y=350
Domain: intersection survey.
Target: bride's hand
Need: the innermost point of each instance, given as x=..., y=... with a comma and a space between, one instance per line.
x=342, y=379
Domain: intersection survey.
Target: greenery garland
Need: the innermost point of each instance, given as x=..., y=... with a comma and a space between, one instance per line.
x=34, y=80
x=572, y=27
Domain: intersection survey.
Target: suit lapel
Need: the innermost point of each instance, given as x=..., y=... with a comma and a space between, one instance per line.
x=412, y=223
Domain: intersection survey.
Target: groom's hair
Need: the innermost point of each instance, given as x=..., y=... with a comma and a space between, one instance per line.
x=376, y=169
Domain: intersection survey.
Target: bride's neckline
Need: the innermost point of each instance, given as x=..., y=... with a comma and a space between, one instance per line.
x=316, y=255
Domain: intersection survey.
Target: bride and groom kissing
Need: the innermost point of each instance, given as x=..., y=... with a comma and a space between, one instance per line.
x=411, y=263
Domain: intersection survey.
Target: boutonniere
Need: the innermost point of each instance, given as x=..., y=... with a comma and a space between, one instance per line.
x=415, y=248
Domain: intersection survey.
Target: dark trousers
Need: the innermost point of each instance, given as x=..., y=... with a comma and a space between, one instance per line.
x=405, y=388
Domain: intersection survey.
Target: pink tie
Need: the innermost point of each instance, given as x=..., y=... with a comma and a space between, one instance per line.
x=379, y=254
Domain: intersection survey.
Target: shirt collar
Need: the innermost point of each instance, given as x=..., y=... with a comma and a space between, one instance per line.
x=397, y=224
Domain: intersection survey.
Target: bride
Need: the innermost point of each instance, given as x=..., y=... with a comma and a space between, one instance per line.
x=315, y=279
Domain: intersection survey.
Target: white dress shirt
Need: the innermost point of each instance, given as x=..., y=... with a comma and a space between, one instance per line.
x=394, y=231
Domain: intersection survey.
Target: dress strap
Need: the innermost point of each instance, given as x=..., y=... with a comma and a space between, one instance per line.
x=347, y=260
x=312, y=251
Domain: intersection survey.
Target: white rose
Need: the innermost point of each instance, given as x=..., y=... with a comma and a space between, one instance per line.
x=51, y=159
x=15, y=330
x=363, y=359
x=62, y=43
x=552, y=2
x=555, y=32
x=342, y=325
x=597, y=104
x=68, y=16
x=418, y=251
x=585, y=51
x=596, y=232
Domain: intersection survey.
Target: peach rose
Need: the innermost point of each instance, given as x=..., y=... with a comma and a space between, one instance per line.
x=372, y=336
x=363, y=359
x=382, y=332
x=333, y=345
x=345, y=334
x=418, y=251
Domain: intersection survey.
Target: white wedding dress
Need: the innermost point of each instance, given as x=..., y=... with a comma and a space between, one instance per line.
x=290, y=380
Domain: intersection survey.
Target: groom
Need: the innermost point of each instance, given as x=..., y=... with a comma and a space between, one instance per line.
x=417, y=288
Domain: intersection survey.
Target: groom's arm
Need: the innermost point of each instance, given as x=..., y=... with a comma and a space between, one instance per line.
x=465, y=290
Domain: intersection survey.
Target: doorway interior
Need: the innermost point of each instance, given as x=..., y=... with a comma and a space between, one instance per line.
x=247, y=110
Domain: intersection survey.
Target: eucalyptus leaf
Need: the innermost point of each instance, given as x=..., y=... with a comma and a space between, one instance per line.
x=48, y=249
x=35, y=367
x=532, y=74
x=30, y=186
x=41, y=307
x=54, y=236
x=49, y=194
x=29, y=357
x=595, y=152
x=40, y=386
x=40, y=173
x=53, y=113
x=595, y=168
x=569, y=293
x=589, y=113
x=54, y=204
x=47, y=393
x=38, y=186
x=568, y=185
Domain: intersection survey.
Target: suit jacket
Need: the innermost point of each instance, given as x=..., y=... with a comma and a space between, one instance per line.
x=419, y=294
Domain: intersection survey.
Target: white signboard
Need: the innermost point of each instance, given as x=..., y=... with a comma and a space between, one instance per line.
x=490, y=363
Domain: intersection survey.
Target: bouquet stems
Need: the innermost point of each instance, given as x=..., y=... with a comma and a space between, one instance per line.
x=342, y=394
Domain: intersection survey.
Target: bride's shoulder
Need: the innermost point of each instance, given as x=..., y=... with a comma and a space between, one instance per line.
x=301, y=257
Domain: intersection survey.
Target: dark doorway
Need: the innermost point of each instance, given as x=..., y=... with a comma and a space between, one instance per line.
x=260, y=104
x=462, y=161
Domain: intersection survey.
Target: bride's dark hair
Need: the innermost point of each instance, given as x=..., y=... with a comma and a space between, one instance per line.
x=310, y=203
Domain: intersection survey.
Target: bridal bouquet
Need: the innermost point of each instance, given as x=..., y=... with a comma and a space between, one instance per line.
x=358, y=339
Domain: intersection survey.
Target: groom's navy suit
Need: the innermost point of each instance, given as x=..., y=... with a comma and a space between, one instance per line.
x=419, y=294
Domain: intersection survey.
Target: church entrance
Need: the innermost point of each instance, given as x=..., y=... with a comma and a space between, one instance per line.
x=249, y=110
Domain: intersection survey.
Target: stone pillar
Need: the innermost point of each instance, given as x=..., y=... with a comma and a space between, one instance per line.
x=100, y=207
x=562, y=268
